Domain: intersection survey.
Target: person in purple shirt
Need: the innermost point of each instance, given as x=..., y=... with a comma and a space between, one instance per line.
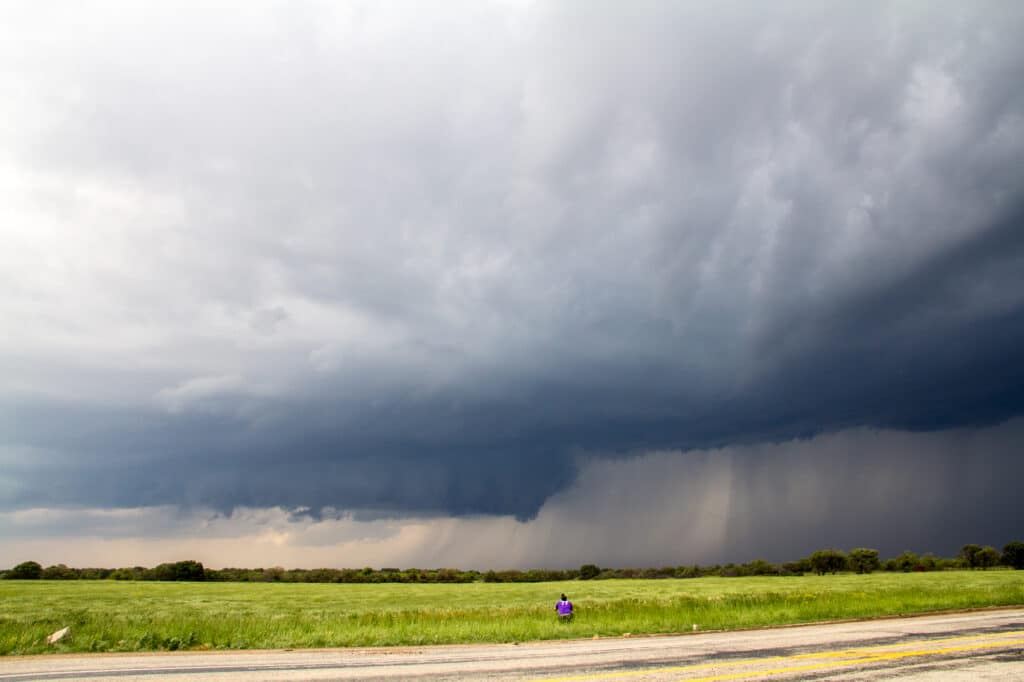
x=564, y=608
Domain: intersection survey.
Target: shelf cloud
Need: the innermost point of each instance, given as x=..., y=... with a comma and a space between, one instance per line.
x=370, y=261
x=891, y=490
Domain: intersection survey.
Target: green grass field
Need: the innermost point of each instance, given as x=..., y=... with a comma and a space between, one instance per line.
x=134, y=616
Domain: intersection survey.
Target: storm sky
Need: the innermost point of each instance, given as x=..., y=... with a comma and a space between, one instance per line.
x=509, y=284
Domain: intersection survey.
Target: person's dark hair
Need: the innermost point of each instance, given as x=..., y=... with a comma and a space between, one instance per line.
x=564, y=598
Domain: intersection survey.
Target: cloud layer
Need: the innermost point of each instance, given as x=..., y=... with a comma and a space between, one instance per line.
x=890, y=490
x=376, y=259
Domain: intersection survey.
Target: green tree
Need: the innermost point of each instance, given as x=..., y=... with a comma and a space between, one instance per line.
x=798, y=567
x=179, y=570
x=987, y=557
x=274, y=574
x=761, y=567
x=589, y=571
x=864, y=560
x=827, y=561
x=969, y=555
x=1013, y=554
x=26, y=570
x=907, y=561
x=59, y=572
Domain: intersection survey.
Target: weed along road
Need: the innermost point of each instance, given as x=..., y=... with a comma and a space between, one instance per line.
x=987, y=645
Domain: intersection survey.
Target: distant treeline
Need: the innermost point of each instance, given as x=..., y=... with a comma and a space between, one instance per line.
x=860, y=560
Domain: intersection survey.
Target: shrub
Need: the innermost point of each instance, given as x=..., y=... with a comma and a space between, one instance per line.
x=136, y=573
x=761, y=567
x=800, y=566
x=59, y=572
x=793, y=568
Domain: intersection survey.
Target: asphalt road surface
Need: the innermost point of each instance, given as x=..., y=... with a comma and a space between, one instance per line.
x=985, y=645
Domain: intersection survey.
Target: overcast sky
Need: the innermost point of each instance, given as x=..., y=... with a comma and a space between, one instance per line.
x=508, y=283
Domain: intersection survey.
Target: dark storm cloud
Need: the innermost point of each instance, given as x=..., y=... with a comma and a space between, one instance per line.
x=367, y=258
x=924, y=491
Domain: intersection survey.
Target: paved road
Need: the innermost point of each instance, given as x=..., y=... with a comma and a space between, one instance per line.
x=986, y=645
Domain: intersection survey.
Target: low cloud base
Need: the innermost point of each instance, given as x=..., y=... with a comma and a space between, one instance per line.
x=891, y=490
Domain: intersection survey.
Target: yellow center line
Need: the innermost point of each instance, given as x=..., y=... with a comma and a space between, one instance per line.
x=892, y=656
x=858, y=651
x=855, y=655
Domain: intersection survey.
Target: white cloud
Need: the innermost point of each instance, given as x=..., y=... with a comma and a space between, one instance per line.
x=493, y=178
x=200, y=390
x=392, y=246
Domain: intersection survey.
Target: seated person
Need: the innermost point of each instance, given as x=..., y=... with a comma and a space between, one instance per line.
x=564, y=608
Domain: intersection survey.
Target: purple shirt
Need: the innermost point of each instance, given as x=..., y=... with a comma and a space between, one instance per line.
x=564, y=608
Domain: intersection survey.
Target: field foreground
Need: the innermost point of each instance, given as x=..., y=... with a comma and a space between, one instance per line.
x=976, y=646
x=139, y=616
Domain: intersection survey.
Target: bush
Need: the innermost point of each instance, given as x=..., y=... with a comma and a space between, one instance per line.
x=589, y=571
x=136, y=573
x=800, y=566
x=59, y=572
x=761, y=567
x=794, y=568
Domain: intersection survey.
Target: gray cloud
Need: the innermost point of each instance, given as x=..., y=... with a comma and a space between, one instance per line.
x=892, y=490
x=373, y=258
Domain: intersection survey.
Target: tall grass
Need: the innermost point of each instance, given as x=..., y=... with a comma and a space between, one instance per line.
x=126, y=616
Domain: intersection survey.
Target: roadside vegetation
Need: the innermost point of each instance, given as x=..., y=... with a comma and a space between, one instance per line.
x=109, y=615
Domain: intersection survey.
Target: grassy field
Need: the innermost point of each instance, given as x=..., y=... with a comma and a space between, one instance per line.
x=134, y=616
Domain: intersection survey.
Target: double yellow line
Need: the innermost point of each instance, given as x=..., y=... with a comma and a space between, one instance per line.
x=847, y=657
